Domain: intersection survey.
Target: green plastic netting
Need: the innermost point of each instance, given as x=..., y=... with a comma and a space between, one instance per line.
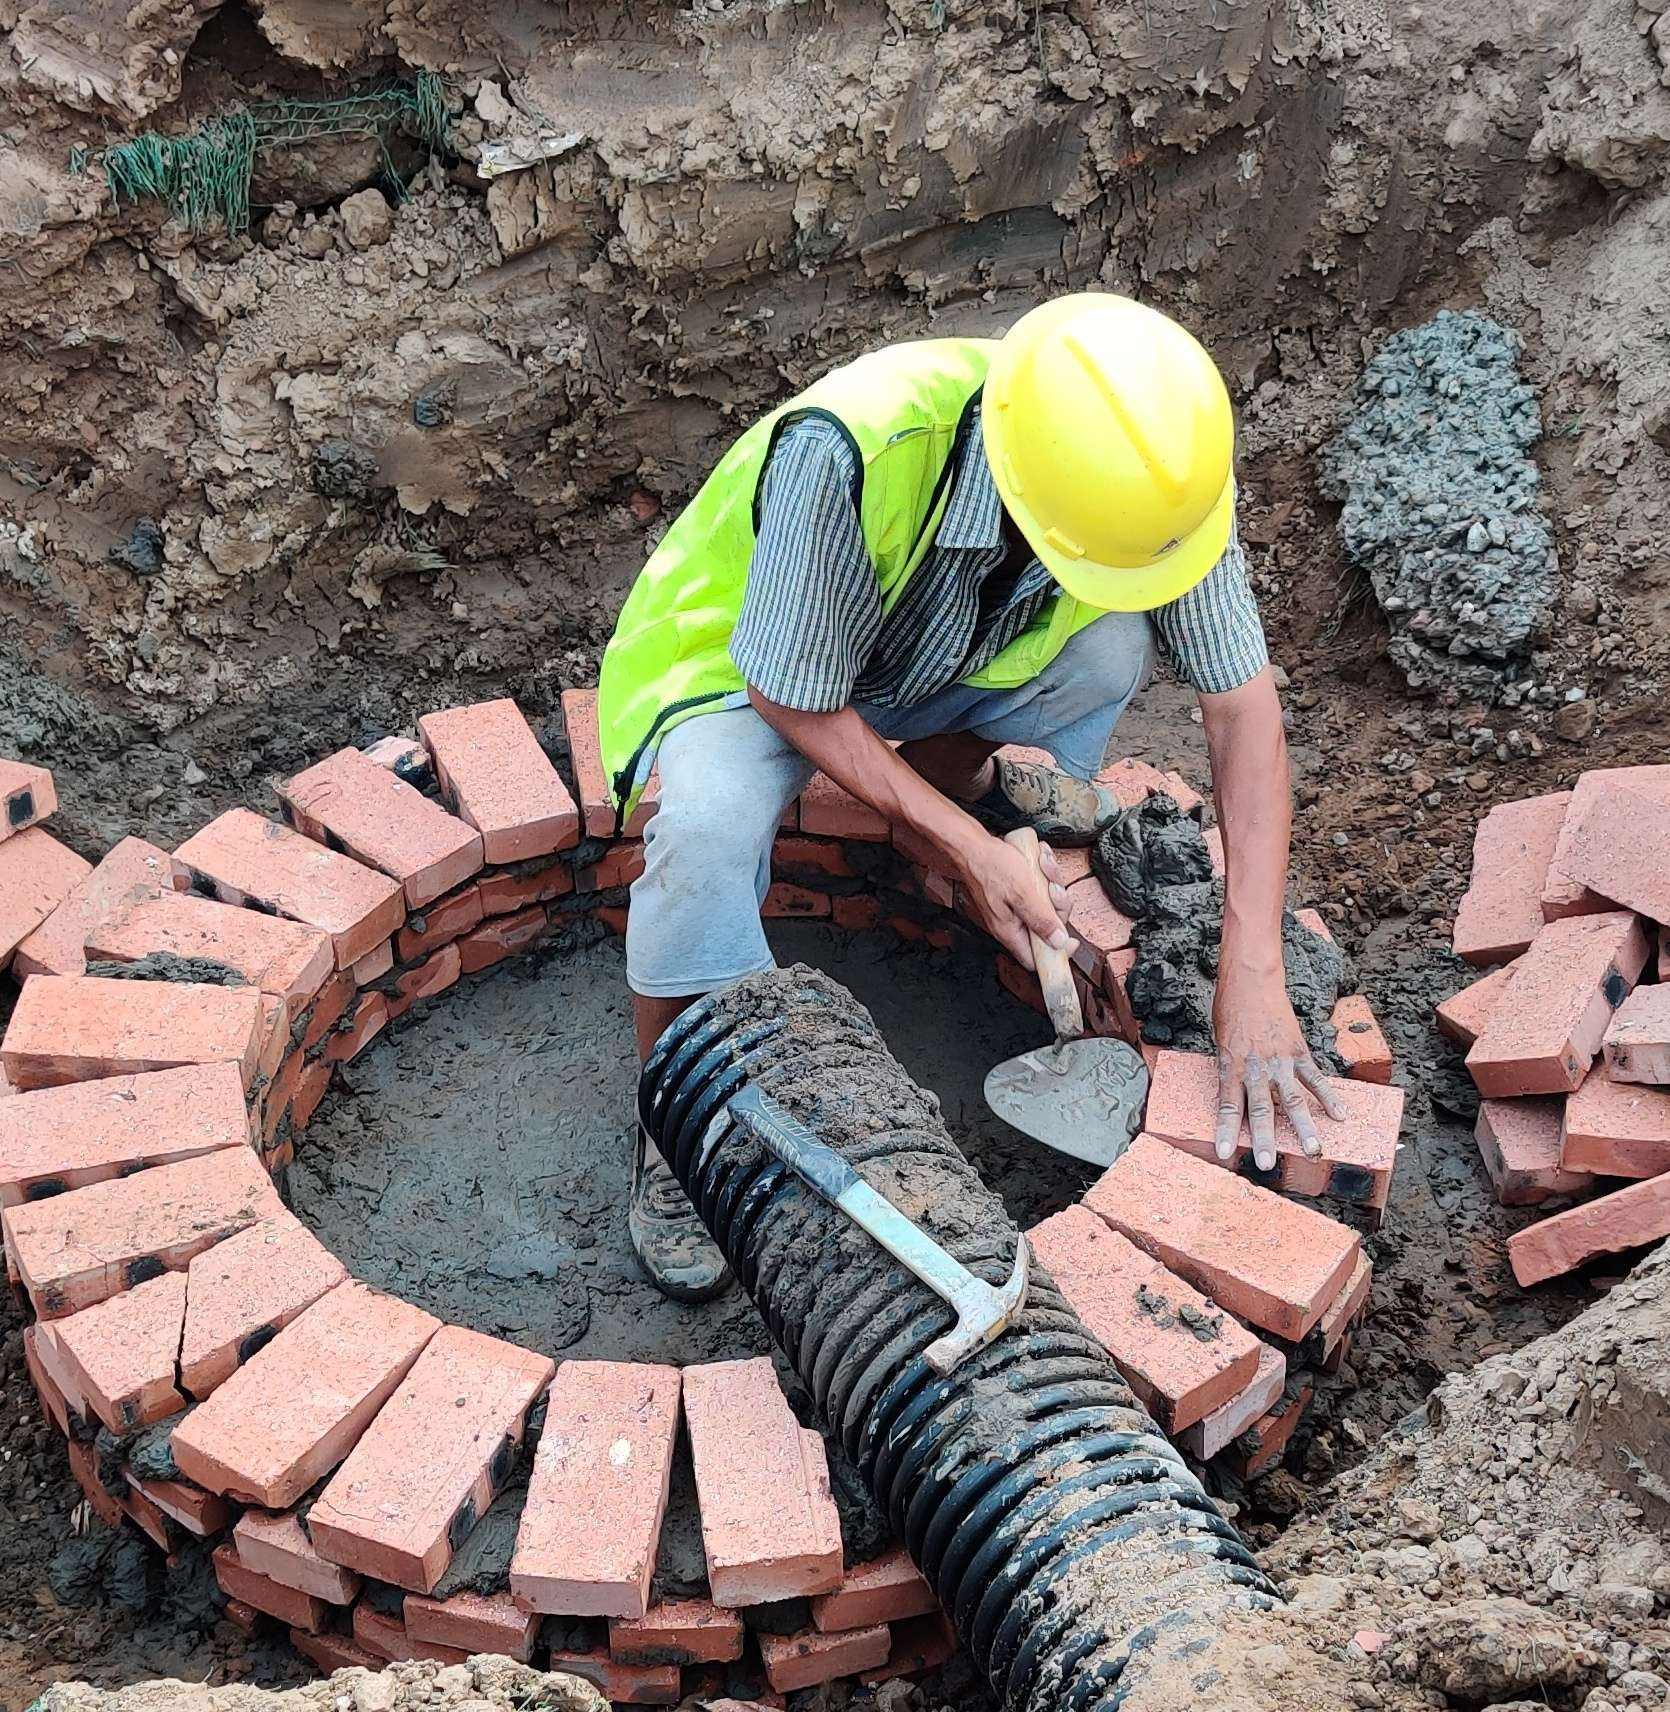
x=204, y=176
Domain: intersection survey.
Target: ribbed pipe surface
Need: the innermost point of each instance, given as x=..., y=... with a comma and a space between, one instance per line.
x=1066, y=1538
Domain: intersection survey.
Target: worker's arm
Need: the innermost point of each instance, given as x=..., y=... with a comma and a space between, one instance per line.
x=1008, y=891
x=1262, y=1056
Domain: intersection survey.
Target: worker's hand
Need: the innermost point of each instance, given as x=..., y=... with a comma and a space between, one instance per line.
x=1263, y=1060
x=1012, y=894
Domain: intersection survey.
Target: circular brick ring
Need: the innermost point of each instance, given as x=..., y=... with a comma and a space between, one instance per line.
x=342, y=1444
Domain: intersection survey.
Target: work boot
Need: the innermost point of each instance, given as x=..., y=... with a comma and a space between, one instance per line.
x=1062, y=810
x=682, y=1261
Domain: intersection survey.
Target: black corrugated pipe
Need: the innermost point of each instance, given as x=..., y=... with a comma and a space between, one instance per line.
x=1068, y=1541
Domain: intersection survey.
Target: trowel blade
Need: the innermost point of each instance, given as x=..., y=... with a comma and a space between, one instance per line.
x=1084, y=1098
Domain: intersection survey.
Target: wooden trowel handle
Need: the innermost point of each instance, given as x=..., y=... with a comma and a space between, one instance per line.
x=1055, y=969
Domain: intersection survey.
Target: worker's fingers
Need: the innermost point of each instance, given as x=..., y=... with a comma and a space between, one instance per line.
x=1261, y=1113
x=1326, y=1096
x=1231, y=1103
x=1048, y=862
x=1297, y=1108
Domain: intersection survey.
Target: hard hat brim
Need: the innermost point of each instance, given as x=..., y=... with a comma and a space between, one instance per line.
x=1120, y=588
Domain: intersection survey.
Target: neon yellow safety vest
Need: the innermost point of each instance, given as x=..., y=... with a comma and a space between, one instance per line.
x=902, y=410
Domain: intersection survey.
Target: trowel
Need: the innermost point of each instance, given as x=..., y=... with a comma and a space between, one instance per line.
x=1081, y=1096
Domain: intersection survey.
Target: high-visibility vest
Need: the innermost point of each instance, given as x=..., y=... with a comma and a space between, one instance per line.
x=902, y=410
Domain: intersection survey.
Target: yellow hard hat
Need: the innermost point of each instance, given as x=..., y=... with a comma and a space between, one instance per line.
x=1110, y=437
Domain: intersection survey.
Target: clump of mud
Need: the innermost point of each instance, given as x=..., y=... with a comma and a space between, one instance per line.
x=1441, y=501
x=1154, y=865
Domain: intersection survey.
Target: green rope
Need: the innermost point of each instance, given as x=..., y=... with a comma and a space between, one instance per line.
x=204, y=176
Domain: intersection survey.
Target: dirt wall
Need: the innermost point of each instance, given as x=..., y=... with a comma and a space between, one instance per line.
x=521, y=376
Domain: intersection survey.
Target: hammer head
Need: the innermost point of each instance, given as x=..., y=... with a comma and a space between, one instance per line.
x=983, y=1312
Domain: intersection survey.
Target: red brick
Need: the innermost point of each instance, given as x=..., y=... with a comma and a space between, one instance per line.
x=1358, y=1153
x=127, y=872
x=1099, y=928
x=150, y=1521
x=1313, y=921
x=1566, y=987
x=120, y=1353
x=1268, y=1260
x=1071, y=866
x=473, y=1623
x=516, y=888
x=243, y=1291
x=585, y=754
x=1229, y=1420
x=858, y=914
x=198, y=1512
x=310, y=1090
x=592, y=1522
x=26, y=796
x=1260, y=1447
x=374, y=965
x=80, y=1248
x=915, y=1645
x=622, y=1684
x=405, y=757
x=803, y=1660
x=244, y=1618
x=439, y=1447
x=1501, y=911
x=240, y=858
x=1180, y=1354
x=430, y=978
x=237, y=1579
x=1020, y=983
x=84, y=1466
x=1463, y=1015
x=1616, y=847
x=297, y=1407
x=91, y=1132
x=1564, y=892
x=1213, y=838
x=500, y=938
x=1346, y=1308
x=47, y=1374
x=1519, y=1142
x=37, y=874
x=1615, y=1129
x=799, y=857
x=493, y=772
x=356, y=807
x=328, y=1009
x=370, y=1018
x=784, y=899
x=1613, y=1224
x=619, y=865
x=827, y=810
x=331, y=1653
x=1358, y=1039
x=1637, y=1042
x=678, y=1631
x=444, y=921
x=386, y=1638
x=887, y=1589
x=769, y=1525
x=287, y=959
x=1133, y=781
x=276, y=1545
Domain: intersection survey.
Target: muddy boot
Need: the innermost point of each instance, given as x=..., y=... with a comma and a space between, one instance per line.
x=1062, y=810
x=682, y=1261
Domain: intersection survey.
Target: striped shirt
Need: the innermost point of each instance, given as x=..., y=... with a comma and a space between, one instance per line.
x=814, y=635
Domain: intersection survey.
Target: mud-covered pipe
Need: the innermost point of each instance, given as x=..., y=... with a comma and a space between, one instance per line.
x=1068, y=1541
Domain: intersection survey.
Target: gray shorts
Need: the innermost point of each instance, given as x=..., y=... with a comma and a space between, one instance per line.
x=726, y=779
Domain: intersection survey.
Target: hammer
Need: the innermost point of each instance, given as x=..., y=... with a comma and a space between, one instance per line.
x=983, y=1311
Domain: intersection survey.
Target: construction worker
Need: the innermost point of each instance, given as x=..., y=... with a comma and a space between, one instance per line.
x=950, y=545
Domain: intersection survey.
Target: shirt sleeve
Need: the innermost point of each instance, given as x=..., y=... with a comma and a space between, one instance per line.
x=1212, y=636
x=811, y=612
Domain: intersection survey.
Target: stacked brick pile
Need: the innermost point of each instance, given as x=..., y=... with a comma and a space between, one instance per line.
x=1568, y=1035
x=337, y=1448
